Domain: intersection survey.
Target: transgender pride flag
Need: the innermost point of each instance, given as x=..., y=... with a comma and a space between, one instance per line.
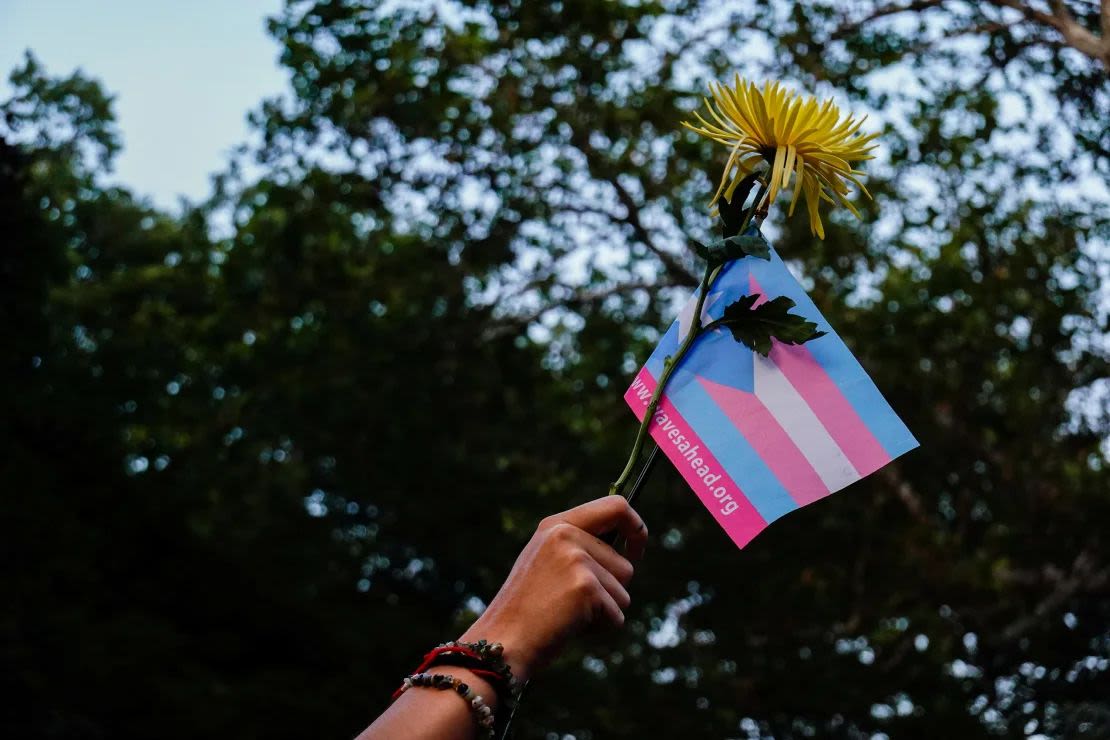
x=757, y=437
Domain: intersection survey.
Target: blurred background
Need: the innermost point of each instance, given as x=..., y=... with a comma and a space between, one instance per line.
x=311, y=310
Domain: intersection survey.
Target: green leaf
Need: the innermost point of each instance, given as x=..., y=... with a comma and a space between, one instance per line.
x=732, y=211
x=755, y=326
x=734, y=248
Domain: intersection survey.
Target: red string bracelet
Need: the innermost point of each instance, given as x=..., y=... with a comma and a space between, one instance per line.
x=446, y=650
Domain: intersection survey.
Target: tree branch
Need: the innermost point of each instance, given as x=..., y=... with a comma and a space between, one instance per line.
x=1074, y=33
x=1060, y=19
x=906, y=494
x=675, y=269
x=849, y=28
x=582, y=298
x=1083, y=576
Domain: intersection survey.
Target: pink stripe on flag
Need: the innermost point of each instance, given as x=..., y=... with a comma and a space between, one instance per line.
x=822, y=394
x=770, y=441
x=743, y=522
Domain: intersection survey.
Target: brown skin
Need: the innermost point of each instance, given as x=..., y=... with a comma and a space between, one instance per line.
x=565, y=580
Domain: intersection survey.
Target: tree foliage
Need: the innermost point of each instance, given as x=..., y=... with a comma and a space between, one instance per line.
x=263, y=452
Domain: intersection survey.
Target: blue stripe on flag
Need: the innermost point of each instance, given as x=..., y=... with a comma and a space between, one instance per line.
x=742, y=463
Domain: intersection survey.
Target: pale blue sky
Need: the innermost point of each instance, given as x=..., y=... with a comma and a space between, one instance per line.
x=184, y=75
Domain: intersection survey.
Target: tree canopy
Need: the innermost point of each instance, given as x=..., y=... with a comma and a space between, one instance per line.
x=264, y=451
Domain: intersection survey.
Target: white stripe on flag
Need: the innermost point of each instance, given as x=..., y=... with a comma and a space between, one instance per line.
x=802, y=425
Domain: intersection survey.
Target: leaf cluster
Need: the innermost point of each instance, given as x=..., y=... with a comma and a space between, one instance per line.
x=733, y=248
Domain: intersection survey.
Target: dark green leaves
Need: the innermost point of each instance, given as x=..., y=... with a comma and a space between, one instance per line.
x=733, y=248
x=732, y=211
x=755, y=326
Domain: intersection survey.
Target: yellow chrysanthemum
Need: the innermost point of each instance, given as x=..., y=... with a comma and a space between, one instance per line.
x=795, y=135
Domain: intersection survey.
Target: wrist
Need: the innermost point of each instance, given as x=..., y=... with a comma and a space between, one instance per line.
x=518, y=654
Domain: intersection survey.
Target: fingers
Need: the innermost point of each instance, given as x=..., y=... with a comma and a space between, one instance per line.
x=595, y=573
x=608, y=513
x=612, y=586
x=600, y=601
x=607, y=557
x=609, y=609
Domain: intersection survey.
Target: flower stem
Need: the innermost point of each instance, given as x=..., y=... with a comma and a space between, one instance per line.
x=672, y=362
x=669, y=365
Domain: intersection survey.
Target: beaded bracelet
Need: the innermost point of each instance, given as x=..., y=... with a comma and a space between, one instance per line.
x=505, y=686
x=488, y=676
x=492, y=654
x=482, y=713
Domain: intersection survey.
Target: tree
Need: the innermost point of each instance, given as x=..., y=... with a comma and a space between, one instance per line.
x=471, y=222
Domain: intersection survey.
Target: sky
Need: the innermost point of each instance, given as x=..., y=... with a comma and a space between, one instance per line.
x=184, y=74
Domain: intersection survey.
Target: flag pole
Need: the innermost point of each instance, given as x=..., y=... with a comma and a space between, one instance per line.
x=611, y=538
x=643, y=476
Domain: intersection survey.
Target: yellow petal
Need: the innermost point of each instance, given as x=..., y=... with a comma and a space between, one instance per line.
x=776, y=173
x=724, y=178
x=791, y=153
x=798, y=184
x=812, y=200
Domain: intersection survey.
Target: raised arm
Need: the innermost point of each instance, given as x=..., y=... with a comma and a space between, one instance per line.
x=564, y=580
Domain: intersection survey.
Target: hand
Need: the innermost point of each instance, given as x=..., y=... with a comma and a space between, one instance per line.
x=564, y=580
